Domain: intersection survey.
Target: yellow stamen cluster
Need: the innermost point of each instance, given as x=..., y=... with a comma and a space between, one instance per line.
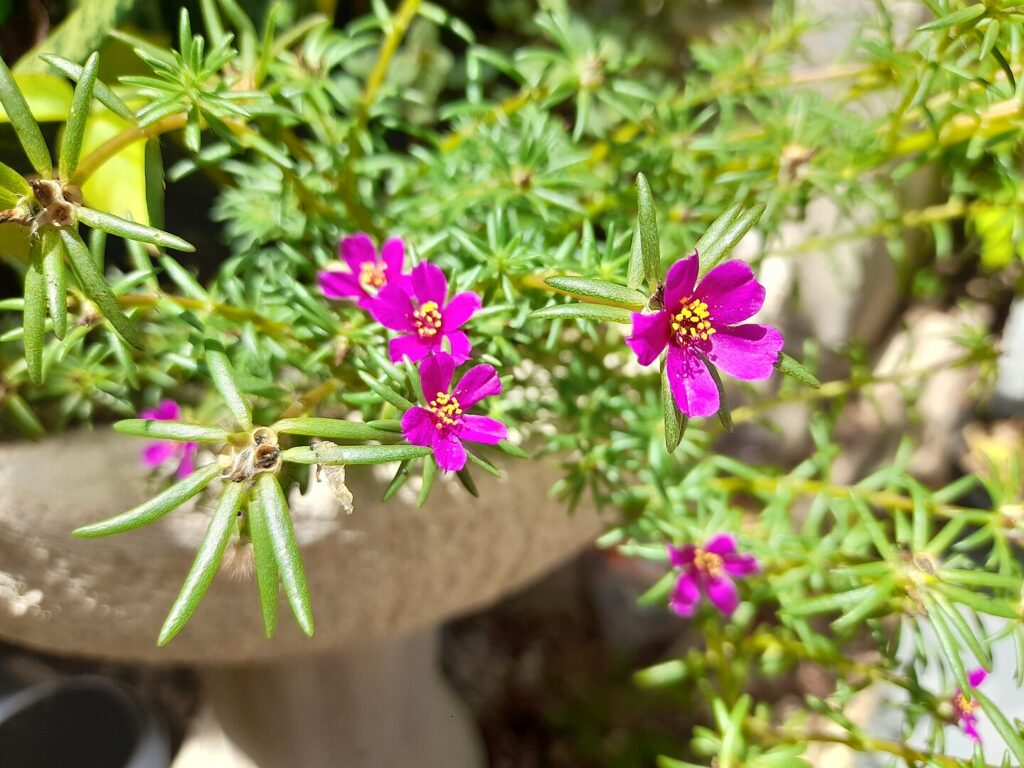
x=427, y=320
x=692, y=322
x=708, y=563
x=964, y=706
x=447, y=409
x=371, y=275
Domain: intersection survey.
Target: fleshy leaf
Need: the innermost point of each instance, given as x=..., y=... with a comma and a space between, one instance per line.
x=155, y=508
x=286, y=551
x=599, y=289
x=204, y=567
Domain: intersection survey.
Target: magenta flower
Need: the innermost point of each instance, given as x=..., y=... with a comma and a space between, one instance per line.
x=965, y=709
x=158, y=452
x=367, y=271
x=444, y=423
x=709, y=571
x=698, y=325
x=426, y=317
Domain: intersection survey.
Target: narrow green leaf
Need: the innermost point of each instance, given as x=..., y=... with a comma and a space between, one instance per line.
x=207, y=561
x=483, y=463
x=131, y=230
x=967, y=634
x=171, y=430
x=34, y=312
x=825, y=603
x=103, y=93
x=947, y=643
x=182, y=278
x=717, y=229
x=597, y=312
x=717, y=249
x=385, y=392
x=635, y=269
x=675, y=421
x=25, y=126
x=1011, y=736
x=978, y=601
x=96, y=288
x=787, y=366
x=23, y=415
x=286, y=550
x=223, y=375
x=466, y=478
x=724, y=412
x=56, y=285
x=267, y=578
x=331, y=429
x=513, y=450
x=155, y=508
x=429, y=473
x=401, y=478
x=13, y=182
x=647, y=223
x=599, y=289
x=353, y=454
x=874, y=599
x=963, y=16
x=74, y=129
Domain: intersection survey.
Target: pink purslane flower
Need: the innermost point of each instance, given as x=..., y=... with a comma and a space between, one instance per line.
x=709, y=571
x=965, y=709
x=425, y=316
x=156, y=453
x=699, y=327
x=366, y=272
x=444, y=424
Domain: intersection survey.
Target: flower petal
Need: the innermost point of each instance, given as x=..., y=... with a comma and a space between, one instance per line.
x=649, y=337
x=721, y=544
x=339, y=285
x=411, y=346
x=481, y=429
x=436, y=375
x=976, y=677
x=460, y=346
x=188, y=463
x=679, y=282
x=157, y=453
x=731, y=292
x=723, y=594
x=418, y=426
x=459, y=310
x=746, y=352
x=392, y=253
x=681, y=557
x=479, y=382
x=685, y=596
x=690, y=380
x=165, y=410
x=357, y=249
x=970, y=723
x=429, y=283
x=393, y=309
x=448, y=451
x=741, y=565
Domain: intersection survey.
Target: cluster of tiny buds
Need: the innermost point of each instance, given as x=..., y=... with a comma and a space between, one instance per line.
x=447, y=409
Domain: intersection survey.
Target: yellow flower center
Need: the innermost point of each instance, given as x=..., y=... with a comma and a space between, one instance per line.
x=447, y=410
x=427, y=320
x=708, y=563
x=964, y=706
x=372, y=275
x=692, y=322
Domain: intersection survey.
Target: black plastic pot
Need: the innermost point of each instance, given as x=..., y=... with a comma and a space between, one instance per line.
x=85, y=722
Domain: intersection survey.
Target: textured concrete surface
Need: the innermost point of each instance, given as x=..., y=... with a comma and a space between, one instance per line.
x=384, y=571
